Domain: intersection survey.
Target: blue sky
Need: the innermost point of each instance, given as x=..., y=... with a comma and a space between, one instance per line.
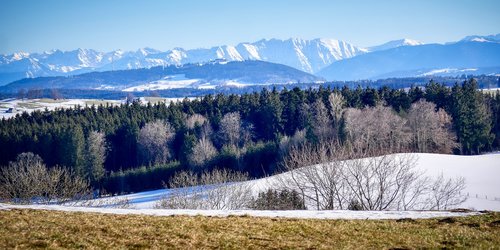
x=36, y=25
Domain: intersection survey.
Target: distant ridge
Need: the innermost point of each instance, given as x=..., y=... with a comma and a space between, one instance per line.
x=198, y=76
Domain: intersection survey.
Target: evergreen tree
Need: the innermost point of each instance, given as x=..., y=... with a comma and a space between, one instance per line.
x=472, y=118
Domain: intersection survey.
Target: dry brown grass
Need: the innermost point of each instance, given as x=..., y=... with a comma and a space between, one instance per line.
x=51, y=229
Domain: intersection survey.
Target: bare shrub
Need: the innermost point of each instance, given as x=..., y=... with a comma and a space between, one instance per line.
x=218, y=189
x=29, y=180
x=114, y=202
x=446, y=193
x=330, y=176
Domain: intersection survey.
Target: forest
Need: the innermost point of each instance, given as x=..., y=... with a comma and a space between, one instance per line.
x=135, y=147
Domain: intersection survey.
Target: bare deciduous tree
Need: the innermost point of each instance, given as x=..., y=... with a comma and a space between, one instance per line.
x=153, y=139
x=29, y=180
x=321, y=123
x=230, y=128
x=195, y=120
x=337, y=103
x=203, y=151
x=430, y=130
x=376, y=129
x=287, y=142
x=96, y=155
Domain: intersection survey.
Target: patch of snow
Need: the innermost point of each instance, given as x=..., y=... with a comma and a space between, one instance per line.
x=301, y=214
x=233, y=53
x=206, y=86
x=235, y=84
x=30, y=105
x=447, y=71
x=168, y=82
x=253, y=51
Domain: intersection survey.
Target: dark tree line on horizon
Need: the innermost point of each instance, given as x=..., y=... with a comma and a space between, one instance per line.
x=134, y=147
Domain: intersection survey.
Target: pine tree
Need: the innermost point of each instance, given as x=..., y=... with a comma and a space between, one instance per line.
x=472, y=118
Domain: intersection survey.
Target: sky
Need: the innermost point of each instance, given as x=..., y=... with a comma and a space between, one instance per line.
x=37, y=26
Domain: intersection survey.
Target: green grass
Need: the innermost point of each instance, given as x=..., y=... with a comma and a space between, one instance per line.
x=51, y=229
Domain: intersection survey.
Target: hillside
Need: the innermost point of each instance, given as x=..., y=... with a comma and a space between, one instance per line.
x=208, y=75
x=479, y=172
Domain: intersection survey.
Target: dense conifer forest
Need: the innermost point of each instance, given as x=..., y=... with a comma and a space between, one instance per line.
x=135, y=147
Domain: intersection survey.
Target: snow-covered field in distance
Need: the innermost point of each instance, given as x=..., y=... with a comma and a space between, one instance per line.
x=481, y=173
x=29, y=105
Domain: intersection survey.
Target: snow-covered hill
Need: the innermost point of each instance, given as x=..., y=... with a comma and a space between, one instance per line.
x=480, y=172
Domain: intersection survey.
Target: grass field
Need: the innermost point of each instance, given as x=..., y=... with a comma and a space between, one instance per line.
x=50, y=229
x=91, y=102
x=48, y=100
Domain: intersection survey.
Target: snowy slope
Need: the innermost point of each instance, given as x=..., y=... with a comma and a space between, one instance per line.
x=490, y=38
x=395, y=44
x=481, y=174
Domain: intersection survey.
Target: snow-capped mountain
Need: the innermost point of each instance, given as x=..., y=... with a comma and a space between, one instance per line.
x=490, y=38
x=463, y=57
x=325, y=57
x=306, y=55
x=395, y=44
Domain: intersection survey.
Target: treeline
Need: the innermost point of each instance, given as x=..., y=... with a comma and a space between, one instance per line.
x=484, y=82
x=135, y=147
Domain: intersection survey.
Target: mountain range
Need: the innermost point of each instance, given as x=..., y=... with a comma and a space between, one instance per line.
x=328, y=58
x=465, y=57
x=307, y=55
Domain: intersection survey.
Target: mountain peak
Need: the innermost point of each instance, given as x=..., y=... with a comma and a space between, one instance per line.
x=395, y=44
x=488, y=38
